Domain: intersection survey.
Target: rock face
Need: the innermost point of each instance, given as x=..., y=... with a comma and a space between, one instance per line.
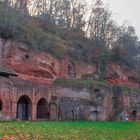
x=73, y=70
x=32, y=95
x=39, y=67
x=119, y=74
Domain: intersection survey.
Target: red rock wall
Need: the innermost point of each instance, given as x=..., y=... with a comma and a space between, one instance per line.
x=36, y=73
x=5, y=96
x=11, y=90
x=118, y=74
x=44, y=68
x=38, y=67
x=85, y=101
x=80, y=68
x=30, y=66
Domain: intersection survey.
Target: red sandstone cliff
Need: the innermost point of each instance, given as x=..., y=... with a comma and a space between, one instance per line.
x=120, y=74
x=44, y=68
x=39, y=66
x=36, y=70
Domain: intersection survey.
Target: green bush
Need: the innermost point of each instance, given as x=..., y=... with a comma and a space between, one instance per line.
x=77, y=82
x=26, y=29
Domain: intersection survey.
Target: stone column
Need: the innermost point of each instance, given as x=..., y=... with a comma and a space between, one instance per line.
x=14, y=102
x=53, y=112
x=14, y=109
x=34, y=111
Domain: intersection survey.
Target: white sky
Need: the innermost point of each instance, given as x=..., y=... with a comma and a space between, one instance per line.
x=126, y=10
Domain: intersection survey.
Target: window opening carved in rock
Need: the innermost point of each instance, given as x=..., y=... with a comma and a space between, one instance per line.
x=71, y=70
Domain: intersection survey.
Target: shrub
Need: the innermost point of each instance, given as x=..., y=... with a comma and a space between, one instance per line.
x=25, y=29
x=77, y=82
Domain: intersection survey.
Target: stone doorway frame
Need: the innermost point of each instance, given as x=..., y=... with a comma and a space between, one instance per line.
x=24, y=108
x=42, y=109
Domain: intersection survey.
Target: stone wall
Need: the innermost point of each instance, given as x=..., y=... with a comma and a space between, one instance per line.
x=82, y=103
x=33, y=94
x=120, y=74
x=104, y=102
x=62, y=103
x=12, y=90
x=5, y=98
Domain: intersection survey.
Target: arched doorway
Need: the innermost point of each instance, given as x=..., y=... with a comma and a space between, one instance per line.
x=0, y=105
x=94, y=115
x=42, y=109
x=24, y=107
x=134, y=115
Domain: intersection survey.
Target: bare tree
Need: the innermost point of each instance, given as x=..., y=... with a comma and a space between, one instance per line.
x=66, y=13
x=99, y=21
x=22, y=6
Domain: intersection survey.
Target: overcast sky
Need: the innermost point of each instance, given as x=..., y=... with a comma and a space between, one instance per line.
x=126, y=10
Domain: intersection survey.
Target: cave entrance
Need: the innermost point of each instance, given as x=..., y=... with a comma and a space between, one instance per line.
x=134, y=114
x=24, y=106
x=0, y=105
x=42, y=109
x=95, y=115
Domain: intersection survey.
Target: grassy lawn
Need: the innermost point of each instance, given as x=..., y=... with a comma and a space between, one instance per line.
x=70, y=130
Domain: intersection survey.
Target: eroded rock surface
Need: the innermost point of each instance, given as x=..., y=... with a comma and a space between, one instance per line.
x=33, y=96
x=119, y=74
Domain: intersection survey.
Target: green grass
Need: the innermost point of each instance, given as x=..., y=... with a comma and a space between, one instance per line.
x=81, y=130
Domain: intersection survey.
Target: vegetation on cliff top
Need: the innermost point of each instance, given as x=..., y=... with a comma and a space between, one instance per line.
x=25, y=29
x=69, y=27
